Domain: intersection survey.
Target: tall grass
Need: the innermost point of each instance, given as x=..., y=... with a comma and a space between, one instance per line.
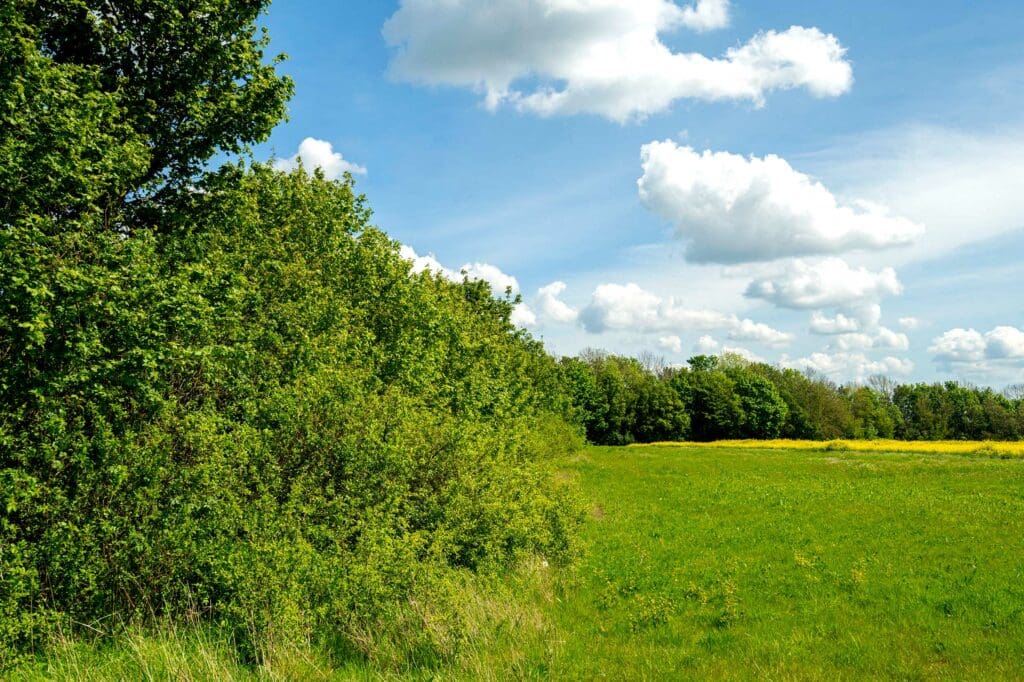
x=501, y=621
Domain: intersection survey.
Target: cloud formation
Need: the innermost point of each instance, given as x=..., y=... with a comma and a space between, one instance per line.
x=630, y=307
x=970, y=349
x=830, y=283
x=315, y=154
x=706, y=15
x=881, y=339
x=840, y=324
x=486, y=272
x=605, y=57
x=671, y=343
x=551, y=307
x=735, y=209
x=850, y=366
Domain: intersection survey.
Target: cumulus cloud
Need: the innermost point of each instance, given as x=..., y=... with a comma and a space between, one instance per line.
x=748, y=330
x=606, y=57
x=969, y=346
x=499, y=281
x=844, y=366
x=840, y=324
x=551, y=307
x=706, y=15
x=617, y=306
x=486, y=272
x=1005, y=343
x=523, y=316
x=881, y=339
x=706, y=345
x=733, y=209
x=672, y=343
x=830, y=283
x=315, y=154
x=428, y=262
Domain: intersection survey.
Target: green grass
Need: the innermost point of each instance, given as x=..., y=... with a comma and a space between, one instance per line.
x=729, y=564
x=753, y=563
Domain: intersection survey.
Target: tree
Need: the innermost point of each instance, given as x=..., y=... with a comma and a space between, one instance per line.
x=764, y=411
x=703, y=363
x=1014, y=392
x=190, y=80
x=715, y=410
x=659, y=413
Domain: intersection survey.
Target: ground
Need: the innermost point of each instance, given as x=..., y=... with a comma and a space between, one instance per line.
x=743, y=563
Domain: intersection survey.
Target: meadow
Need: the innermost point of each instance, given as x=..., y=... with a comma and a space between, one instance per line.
x=722, y=562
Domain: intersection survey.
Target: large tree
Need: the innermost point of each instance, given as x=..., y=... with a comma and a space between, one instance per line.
x=110, y=101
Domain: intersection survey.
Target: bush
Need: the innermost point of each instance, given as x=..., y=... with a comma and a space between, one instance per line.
x=261, y=416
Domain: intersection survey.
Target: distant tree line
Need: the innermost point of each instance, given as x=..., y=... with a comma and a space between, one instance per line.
x=620, y=400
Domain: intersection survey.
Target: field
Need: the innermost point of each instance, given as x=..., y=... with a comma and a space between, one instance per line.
x=732, y=563
x=942, y=447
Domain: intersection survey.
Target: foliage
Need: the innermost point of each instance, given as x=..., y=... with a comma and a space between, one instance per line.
x=224, y=397
x=622, y=401
x=191, y=79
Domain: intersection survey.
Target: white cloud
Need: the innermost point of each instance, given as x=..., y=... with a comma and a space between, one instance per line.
x=551, y=307
x=486, y=272
x=844, y=366
x=840, y=324
x=732, y=209
x=997, y=355
x=830, y=283
x=671, y=343
x=909, y=323
x=491, y=274
x=969, y=346
x=706, y=15
x=522, y=316
x=882, y=338
x=630, y=307
x=748, y=330
x=606, y=57
x=1005, y=343
x=706, y=345
x=958, y=345
x=315, y=154
x=428, y=262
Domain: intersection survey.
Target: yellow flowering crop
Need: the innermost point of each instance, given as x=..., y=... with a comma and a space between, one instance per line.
x=1006, y=449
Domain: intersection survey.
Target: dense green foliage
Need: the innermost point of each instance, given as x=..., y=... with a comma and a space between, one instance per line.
x=223, y=395
x=718, y=564
x=620, y=401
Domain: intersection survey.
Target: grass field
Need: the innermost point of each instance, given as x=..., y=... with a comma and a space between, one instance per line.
x=733, y=563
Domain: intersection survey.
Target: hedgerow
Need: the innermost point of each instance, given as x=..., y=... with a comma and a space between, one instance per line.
x=224, y=396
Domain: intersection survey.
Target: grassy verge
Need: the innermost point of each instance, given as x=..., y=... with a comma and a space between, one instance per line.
x=705, y=562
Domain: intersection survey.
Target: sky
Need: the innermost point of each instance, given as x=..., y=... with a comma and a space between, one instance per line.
x=830, y=186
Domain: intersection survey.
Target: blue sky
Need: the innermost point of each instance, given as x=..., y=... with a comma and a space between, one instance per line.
x=508, y=134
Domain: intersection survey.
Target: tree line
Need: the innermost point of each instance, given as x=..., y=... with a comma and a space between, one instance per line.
x=620, y=400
